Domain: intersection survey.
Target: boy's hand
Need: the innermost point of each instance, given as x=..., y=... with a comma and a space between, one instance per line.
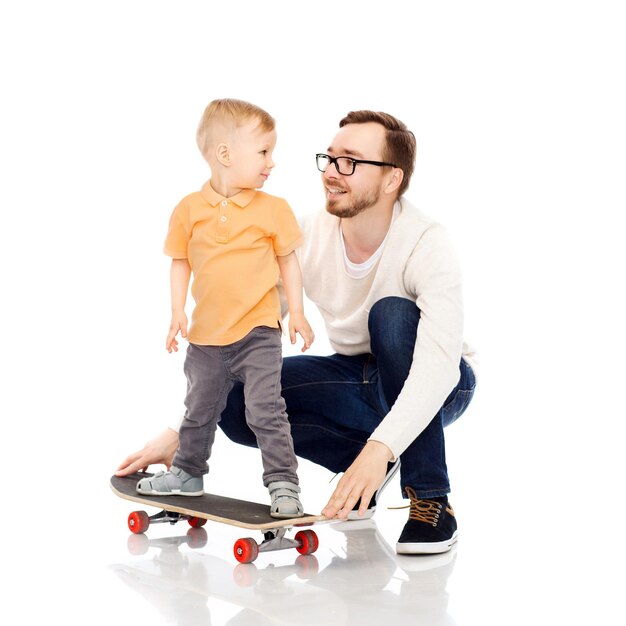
x=178, y=323
x=298, y=324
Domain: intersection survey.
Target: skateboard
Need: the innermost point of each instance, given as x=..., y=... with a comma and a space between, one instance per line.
x=196, y=510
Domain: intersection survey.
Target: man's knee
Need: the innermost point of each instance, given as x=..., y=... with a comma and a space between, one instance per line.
x=393, y=324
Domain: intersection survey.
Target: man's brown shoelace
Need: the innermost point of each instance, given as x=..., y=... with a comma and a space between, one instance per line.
x=424, y=510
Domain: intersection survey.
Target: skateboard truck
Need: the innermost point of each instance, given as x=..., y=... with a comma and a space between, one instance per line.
x=138, y=521
x=276, y=540
x=246, y=550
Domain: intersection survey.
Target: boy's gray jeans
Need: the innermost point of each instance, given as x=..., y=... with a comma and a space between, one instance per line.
x=256, y=361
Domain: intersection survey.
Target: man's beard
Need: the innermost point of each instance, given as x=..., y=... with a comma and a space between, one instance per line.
x=360, y=203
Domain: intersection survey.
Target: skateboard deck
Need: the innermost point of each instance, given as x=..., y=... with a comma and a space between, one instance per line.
x=198, y=509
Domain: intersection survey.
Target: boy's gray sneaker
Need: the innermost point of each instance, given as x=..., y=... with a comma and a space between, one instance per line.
x=176, y=482
x=285, y=501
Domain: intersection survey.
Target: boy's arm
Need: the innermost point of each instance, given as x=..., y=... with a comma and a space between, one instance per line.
x=292, y=284
x=180, y=274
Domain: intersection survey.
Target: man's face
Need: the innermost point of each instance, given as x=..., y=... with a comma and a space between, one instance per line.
x=347, y=196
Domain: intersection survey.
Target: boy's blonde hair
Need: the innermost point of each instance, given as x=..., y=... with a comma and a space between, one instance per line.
x=230, y=113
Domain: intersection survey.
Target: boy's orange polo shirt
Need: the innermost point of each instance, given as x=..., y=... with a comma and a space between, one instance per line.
x=231, y=245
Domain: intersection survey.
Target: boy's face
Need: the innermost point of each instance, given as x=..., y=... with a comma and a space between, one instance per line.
x=251, y=155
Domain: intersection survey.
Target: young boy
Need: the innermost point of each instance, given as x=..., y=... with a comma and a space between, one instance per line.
x=235, y=240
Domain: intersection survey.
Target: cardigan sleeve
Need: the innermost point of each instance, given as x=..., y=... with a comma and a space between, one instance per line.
x=432, y=277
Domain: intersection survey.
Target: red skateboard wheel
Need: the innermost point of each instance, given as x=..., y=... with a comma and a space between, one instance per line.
x=246, y=550
x=138, y=522
x=308, y=541
x=196, y=522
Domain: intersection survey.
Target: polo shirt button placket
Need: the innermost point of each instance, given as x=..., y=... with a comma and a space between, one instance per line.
x=222, y=230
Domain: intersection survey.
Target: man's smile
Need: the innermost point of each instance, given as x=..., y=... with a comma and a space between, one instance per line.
x=335, y=191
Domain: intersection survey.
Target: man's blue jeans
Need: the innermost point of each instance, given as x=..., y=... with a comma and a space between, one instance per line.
x=335, y=402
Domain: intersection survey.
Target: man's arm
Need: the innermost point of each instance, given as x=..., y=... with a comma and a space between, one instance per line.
x=433, y=276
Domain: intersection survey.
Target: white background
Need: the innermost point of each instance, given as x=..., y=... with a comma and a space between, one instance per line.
x=518, y=109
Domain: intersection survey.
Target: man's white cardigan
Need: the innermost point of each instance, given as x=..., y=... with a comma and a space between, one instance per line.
x=417, y=263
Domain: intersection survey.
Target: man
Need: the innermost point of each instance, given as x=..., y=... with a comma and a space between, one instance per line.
x=388, y=286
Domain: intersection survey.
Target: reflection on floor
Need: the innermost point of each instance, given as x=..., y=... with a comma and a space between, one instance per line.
x=365, y=582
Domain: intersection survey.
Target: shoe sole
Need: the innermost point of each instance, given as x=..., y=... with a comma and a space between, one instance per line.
x=435, y=547
x=354, y=515
x=170, y=493
x=426, y=562
x=286, y=515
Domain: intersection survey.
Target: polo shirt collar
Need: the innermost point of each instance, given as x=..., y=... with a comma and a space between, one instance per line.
x=242, y=199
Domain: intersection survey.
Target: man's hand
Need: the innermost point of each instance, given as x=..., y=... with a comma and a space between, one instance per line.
x=361, y=480
x=160, y=450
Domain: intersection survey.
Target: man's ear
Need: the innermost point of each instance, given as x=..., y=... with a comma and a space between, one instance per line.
x=395, y=180
x=222, y=154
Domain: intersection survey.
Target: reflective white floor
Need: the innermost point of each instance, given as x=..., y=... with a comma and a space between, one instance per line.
x=355, y=578
x=87, y=568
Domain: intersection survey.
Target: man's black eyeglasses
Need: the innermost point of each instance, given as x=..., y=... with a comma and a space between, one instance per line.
x=344, y=165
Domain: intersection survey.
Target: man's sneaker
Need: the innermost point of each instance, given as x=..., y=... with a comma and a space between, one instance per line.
x=392, y=469
x=285, y=501
x=176, y=482
x=431, y=528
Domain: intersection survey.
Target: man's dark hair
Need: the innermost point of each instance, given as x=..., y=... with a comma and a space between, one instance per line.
x=399, y=147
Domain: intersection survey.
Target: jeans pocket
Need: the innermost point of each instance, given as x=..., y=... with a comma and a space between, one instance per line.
x=454, y=409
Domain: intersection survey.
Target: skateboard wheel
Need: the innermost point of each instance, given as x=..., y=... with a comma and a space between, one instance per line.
x=196, y=522
x=246, y=550
x=308, y=541
x=138, y=522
